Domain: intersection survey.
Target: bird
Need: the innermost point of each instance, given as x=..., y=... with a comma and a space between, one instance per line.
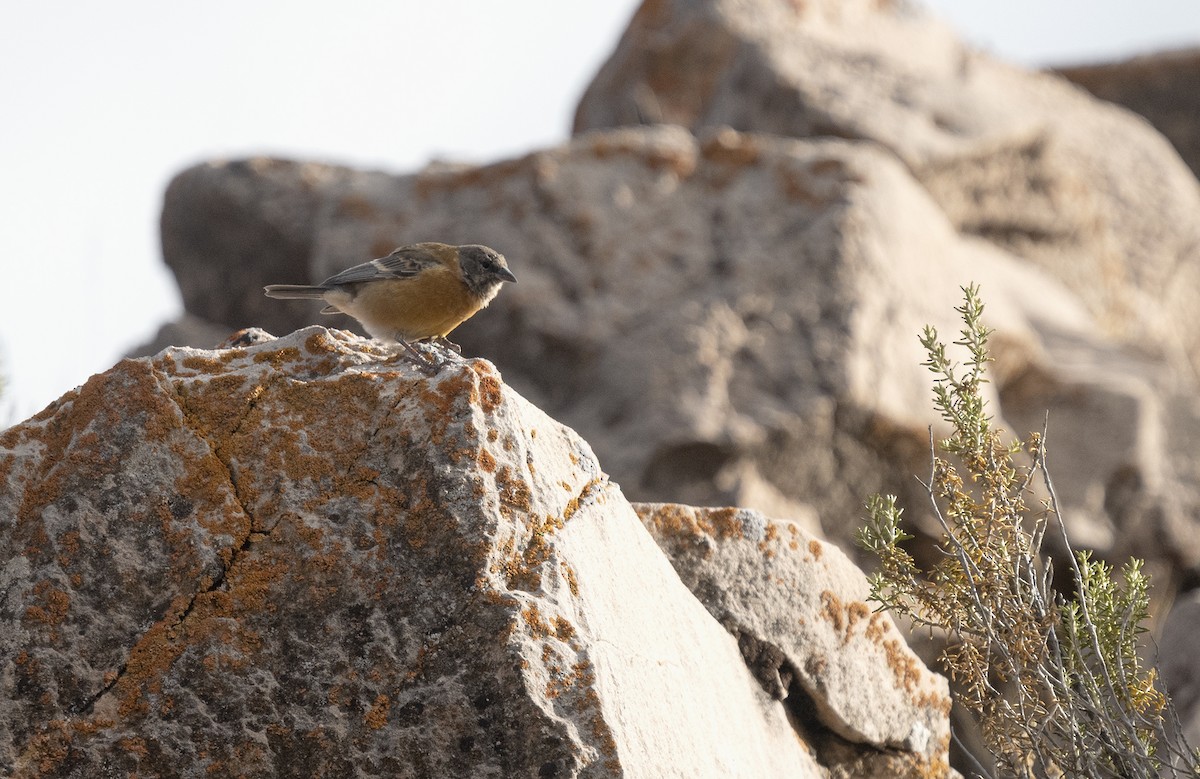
x=419, y=292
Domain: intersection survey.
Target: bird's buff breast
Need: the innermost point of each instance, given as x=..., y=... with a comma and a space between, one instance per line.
x=430, y=304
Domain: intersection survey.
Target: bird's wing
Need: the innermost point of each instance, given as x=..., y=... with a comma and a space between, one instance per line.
x=403, y=262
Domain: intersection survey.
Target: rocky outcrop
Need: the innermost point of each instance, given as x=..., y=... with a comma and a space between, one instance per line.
x=799, y=610
x=731, y=317
x=302, y=557
x=1021, y=159
x=1177, y=662
x=1164, y=88
x=267, y=211
x=784, y=371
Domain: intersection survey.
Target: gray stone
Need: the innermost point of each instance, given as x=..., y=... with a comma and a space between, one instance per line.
x=266, y=211
x=1163, y=87
x=1086, y=190
x=799, y=609
x=1177, y=663
x=304, y=557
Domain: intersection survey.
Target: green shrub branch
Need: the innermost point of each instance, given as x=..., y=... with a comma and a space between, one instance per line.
x=1056, y=684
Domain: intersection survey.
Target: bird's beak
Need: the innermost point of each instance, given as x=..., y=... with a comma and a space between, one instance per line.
x=507, y=275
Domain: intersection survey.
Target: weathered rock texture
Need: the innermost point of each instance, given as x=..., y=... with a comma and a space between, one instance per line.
x=298, y=557
x=756, y=576
x=1164, y=88
x=1024, y=160
x=267, y=211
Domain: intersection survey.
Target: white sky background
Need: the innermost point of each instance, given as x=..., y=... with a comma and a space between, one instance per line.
x=101, y=103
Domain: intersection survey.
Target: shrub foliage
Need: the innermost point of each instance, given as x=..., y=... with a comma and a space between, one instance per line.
x=1056, y=683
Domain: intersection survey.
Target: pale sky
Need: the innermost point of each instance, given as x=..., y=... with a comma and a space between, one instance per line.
x=104, y=102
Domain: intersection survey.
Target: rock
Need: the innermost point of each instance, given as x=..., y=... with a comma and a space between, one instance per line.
x=297, y=556
x=265, y=210
x=799, y=609
x=1023, y=160
x=1177, y=662
x=1164, y=88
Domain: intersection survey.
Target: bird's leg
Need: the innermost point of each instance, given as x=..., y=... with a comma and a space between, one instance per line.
x=427, y=365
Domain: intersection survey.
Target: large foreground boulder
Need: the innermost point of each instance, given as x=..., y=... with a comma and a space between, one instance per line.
x=304, y=557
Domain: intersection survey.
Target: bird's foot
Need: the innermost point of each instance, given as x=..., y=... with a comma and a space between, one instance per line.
x=441, y=340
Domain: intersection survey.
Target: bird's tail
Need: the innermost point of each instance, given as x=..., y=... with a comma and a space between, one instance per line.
x=294, y=291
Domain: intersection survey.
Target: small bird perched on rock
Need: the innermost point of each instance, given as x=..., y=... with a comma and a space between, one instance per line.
x=417, y=293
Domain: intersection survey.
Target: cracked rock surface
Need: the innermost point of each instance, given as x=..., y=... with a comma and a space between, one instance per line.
x=799, y=609
x=298, y=557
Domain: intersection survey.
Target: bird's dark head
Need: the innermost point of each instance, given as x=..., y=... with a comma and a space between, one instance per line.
x=483, y=270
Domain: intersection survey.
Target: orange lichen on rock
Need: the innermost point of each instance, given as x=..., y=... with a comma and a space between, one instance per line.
x=572, y=581
x=523, y=569
x=320, y=343
x=844, y=616
x=833, y=611
x=770, y=540
x=51, y=606
x=377, y=716
x=213, y=618
x=514, y=492
x=67, y=436
x=878, y=627
x=907, y=670
x=208, y=365
x=576, y=502
x=490, y=389
x=277, y=358
x=684, y=523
